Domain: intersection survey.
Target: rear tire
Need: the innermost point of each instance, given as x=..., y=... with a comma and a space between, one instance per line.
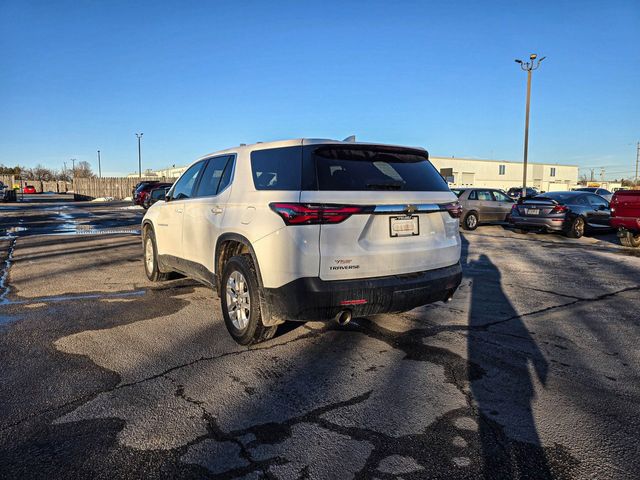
x=470, y=221
x=240, y=299
x=576, y=228
x=629, y=239
x=151, y=267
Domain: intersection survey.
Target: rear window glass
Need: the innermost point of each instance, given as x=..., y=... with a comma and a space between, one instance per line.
x=277, y=168
x=561, y=197
x=375, y=168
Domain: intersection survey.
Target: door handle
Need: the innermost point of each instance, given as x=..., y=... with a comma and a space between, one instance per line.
x=216, y=210
x=178, y=210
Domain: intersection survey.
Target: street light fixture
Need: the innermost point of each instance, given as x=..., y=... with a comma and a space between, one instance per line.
x=528, y=67
x=139, y=135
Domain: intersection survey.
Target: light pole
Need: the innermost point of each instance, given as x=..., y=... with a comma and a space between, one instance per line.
x=528, y=67
x=73, y=173
x=139, y=135
x=637, y=162
x=99, y=166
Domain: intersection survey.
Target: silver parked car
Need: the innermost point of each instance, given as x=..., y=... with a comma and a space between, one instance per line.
x=483, y=205
x=603, y=192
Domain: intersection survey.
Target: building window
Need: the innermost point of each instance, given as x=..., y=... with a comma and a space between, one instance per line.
x=553, y=171
x=501, y=169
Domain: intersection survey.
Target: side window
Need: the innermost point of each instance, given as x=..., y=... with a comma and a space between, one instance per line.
x=596, y=201
x=183, y=188
x=217, y=170
x=277, y=168
x=473, y=195
x=485, y=195
x=501, y=197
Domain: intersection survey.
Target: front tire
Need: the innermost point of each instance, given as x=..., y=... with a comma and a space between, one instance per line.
x=470, y=221
x=576, y=228
x=151, y=267
x=629, y=239
x=240, y=301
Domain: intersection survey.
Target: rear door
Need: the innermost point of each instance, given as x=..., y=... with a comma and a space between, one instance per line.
x=487, y=205
x=404, y=226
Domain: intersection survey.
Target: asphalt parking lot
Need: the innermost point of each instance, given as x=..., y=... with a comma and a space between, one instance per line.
x=532, y=371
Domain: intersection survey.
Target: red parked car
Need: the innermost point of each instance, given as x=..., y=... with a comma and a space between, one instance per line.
x=625, y=216
x=143, y=191
x=29, y=189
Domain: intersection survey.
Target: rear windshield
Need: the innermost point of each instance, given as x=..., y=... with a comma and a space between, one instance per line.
x=375, y=168
x=560, y=197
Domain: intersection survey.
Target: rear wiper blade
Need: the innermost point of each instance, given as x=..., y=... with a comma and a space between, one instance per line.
x=385, y=186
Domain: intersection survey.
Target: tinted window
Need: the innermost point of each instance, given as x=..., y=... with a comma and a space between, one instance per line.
x=457, y=191
x=183, y=188
x=602, y=191
x=277, y=168
x=560, y=197
x=213, y=175
x=375, y=168
x=473, y=195
x=597, y=201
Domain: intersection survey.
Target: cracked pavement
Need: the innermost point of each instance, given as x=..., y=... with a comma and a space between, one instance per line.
x=530, y=372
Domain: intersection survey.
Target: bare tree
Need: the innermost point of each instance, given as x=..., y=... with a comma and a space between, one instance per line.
x=83, y=170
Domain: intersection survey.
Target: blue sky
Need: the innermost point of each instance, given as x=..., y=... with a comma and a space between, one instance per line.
x=198, y=76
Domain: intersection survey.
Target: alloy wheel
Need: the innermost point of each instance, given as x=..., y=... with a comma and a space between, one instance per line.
x=238, y=300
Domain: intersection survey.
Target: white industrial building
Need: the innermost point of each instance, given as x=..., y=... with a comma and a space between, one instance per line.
x=504, y=174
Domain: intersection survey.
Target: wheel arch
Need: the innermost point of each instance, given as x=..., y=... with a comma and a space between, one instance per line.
x=228, y=245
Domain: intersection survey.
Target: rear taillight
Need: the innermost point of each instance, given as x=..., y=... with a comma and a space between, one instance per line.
x=559, y=209
x=454, y=209
x=307, y=214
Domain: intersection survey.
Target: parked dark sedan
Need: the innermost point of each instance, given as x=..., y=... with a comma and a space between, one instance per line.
x=568, y=212
x=516, y=192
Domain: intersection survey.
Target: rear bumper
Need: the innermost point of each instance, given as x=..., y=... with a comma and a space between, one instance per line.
x=311, y=298
x=628, y=223
x=556, y=224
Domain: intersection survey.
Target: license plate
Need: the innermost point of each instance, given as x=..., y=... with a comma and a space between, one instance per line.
x=533, y=211
x=404, y=226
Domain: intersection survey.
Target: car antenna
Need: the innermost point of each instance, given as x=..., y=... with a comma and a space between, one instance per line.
x=350, y=139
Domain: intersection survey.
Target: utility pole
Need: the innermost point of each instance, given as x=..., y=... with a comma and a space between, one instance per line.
x=99, y=167
x=139, y=135
x=527, y=67
x=73, y=173
x=591, y=180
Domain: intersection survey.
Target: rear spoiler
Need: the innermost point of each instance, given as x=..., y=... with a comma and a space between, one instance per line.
x=537, y=200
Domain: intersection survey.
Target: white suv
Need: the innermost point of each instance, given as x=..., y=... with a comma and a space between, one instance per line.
x=308, y=230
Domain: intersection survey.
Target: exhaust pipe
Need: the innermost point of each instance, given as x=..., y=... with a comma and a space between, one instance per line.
x=343, y=317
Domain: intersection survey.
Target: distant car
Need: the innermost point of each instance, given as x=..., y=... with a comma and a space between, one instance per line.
x=144, y=183
x=482, y=205
x=516, y=192
x=143, y=191
x=568, y=212
x=29, y=189
x=603, y=192
x=156, y=195
x=625, y=216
